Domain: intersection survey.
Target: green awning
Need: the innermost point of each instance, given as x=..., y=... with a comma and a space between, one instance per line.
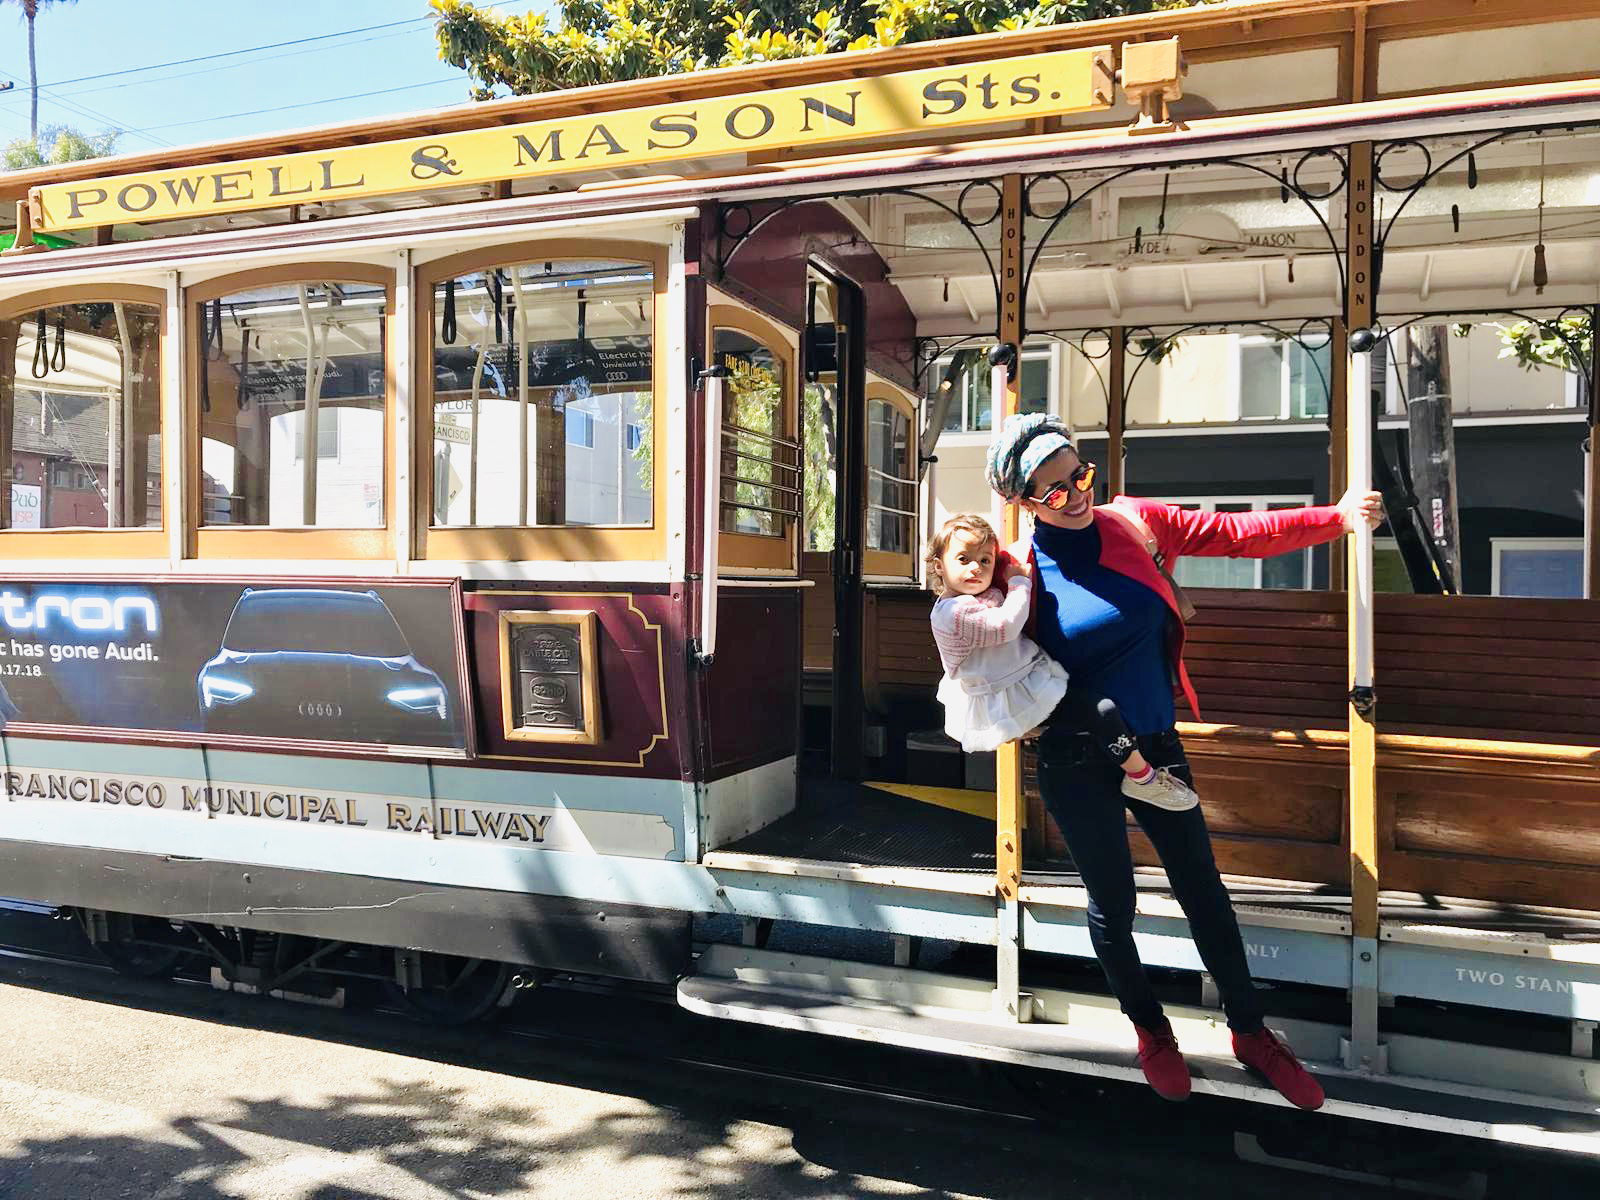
x=43, y=239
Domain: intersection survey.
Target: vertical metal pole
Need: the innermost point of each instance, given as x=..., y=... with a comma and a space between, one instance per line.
x=312, y=418
x=1591, y=463
x=1338, y=430
x=401, y=355
x=715, y=379
x=1117, y=412
x=177, y=457
x=519, y=339
x=1006, y=395
x=1363, y=1050
x=116, y=433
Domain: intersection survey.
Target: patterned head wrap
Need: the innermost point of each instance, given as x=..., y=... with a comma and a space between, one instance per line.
x=1020, y=448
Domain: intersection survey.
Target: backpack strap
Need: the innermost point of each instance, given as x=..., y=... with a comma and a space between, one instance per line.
x=1135, y=524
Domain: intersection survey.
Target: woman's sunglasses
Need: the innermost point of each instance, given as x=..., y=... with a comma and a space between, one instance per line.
x=1059, y=495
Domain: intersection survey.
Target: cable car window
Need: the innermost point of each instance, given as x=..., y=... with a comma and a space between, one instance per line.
x=543, y=395
x=275, y=361
x=891, y=482
x=760, y=463
x=80, y=416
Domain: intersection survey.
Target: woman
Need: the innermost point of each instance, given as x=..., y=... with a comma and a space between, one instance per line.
x=1103, y=609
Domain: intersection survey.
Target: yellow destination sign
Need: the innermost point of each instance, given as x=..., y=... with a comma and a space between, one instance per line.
x=1010, y=89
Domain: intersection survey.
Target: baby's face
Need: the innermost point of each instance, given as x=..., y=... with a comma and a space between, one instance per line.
x=968, y=564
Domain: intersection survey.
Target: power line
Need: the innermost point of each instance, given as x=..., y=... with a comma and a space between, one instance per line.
x=83, y=110
x=254, y=62
x=181, y=62
x=303, y=104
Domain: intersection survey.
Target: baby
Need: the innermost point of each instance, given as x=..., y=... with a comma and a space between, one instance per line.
x=998, y=685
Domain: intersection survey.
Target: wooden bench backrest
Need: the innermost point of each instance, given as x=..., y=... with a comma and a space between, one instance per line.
x=1454, y=666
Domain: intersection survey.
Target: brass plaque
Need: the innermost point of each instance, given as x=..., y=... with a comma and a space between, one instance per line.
x=551, y=676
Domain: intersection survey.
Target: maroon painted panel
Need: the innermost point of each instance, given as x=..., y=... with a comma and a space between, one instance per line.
x=753, y=688
x=643, y=686
x=769, y=270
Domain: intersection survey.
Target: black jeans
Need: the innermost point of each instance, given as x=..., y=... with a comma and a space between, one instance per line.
x=1083, y=792
x=1100, y=717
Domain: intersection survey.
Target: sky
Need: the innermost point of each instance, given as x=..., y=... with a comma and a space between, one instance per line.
x=375, y=72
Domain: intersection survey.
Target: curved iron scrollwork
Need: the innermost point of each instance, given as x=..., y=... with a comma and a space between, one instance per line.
x=1298, y=182
x=1572, y=326
x=739, y=220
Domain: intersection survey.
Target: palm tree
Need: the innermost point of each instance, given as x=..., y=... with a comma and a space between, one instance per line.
x=30, y=10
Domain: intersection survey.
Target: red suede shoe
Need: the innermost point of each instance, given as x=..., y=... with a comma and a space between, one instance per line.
x=1161, y=1062
x=1266, y=1055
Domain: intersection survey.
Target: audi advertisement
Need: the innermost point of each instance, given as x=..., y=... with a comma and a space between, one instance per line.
x=350, y=662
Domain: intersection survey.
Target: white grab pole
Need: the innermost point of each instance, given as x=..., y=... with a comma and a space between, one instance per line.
x=999, y=380
x=1359, y=464
x=711, y=518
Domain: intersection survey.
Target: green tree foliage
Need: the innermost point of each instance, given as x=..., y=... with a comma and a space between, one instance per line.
x=56, y=144
x=606, y=41
x=1566, y=342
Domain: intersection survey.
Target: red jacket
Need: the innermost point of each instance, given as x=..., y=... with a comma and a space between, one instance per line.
x=1181, y=531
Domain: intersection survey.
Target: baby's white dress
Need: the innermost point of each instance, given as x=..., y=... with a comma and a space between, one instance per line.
x=998, y=684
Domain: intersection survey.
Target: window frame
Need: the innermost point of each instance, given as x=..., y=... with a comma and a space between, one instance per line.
x=1261, y=503
x=886, y=564
x=535, y=543
x=757, y=553
x=1042, y=350
x=1498, y=545
x=79, y=542
x=286, y=542
x=1288, y=346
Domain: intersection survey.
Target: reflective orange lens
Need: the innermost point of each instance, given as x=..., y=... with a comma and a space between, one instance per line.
x=1083, y=478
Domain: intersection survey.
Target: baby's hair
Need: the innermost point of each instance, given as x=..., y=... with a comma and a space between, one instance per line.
x=960, y=523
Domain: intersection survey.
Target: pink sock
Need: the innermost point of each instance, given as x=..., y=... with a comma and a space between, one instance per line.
x=1144, y=776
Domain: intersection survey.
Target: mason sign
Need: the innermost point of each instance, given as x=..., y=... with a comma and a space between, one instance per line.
x=909, y=102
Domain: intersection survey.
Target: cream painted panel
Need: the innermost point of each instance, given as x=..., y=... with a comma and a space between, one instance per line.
x=1488, y=56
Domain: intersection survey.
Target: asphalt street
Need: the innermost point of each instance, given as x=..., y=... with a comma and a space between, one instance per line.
x=111, y=1087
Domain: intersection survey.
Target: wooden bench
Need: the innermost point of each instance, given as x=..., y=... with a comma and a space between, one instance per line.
x=1489, y=748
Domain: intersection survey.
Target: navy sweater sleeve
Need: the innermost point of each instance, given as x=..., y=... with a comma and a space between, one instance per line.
x=1107, y=630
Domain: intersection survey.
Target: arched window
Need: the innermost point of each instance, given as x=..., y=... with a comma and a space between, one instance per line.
x=761, y=474
x=80, y=414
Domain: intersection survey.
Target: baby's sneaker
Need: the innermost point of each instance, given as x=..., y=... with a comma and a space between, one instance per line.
x=1163, y=789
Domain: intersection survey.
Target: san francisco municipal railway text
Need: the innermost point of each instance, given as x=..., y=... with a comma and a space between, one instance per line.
x=432, y=818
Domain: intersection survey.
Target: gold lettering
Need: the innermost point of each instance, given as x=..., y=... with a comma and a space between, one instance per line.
x=273, y=810
x=228, y=186
x=552, y=143
x=679, y=124
x=350, y=817
x=193, y=797
x=600, y=135
x=399, y=816
x=328, y=185
x=79, y=789
x=75, y=205
x=330, y=812
x=277, y=184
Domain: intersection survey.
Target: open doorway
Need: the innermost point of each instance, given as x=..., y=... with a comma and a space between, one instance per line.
x=832, y=526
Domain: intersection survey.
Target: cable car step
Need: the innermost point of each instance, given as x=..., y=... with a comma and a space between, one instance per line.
x=948, y=1014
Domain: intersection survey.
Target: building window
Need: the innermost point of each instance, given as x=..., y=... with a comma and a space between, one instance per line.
x=327, y=434
x=580, y=429
x=1282, y=380
x=80, y=402
x=972, y=407
x=1290, y=571
x=891, y=481
x=1550, y=568
x=539, y=371
x=273, y=359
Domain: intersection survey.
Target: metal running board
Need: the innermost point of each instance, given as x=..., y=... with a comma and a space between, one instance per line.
x=873, y=1008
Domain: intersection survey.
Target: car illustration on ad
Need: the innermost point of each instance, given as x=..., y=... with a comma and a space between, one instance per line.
x=322, y=664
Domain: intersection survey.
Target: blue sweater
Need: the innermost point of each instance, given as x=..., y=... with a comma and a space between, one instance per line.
x=1107, y=630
